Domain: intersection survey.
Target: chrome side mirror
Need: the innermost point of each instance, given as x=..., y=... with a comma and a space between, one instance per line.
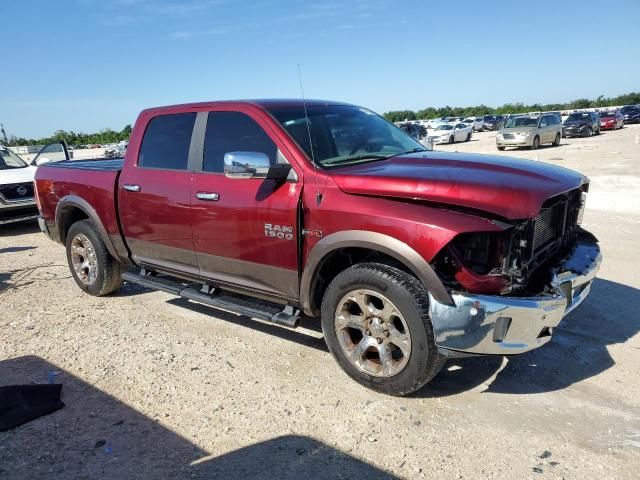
x=246, y=165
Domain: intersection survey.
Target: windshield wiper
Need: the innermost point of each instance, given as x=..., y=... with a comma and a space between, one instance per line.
x=371, y=156
x=413, y=150
x=355, y=158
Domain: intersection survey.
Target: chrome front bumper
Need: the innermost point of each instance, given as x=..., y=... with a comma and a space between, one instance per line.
x=483, y=324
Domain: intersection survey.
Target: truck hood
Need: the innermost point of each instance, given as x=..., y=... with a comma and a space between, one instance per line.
x=17, y=175
x=507, y=187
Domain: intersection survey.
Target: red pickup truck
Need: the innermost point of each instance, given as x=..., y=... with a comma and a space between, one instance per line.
x=279, y=209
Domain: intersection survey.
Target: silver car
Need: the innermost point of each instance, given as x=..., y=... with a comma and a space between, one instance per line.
x=530, y=131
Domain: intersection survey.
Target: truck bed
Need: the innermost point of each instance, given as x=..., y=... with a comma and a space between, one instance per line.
x=102, y=164
x=91, y=183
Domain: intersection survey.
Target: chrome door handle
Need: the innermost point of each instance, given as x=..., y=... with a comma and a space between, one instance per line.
x=212, y=197
x=131, y=188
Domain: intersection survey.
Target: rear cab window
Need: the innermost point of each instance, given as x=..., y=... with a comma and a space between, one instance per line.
x=166, y=142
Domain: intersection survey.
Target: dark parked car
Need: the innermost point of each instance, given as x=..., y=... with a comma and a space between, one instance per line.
x=631, y=114
x=493, y=122
x=582, y=124
x=415, y=130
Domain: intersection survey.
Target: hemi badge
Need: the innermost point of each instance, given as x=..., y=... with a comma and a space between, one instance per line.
x=312, y=233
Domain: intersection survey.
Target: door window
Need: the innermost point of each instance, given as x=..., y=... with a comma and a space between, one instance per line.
x=543, y=122
x=235, y=132
x=54, y=152
x=166, y=142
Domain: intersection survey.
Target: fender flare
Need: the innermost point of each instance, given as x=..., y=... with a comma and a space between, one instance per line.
x=373, y=241
x=73, y=201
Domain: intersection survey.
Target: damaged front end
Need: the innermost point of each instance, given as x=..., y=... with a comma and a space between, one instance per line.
x=511, y=289
x=519, y=260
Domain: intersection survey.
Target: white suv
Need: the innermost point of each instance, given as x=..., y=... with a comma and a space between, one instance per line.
x=17, y=202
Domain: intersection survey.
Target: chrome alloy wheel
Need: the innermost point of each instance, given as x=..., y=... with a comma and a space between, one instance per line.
x=372, y=333
x=84, y=260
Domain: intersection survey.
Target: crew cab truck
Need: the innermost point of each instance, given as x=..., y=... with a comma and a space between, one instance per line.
x=279, y=209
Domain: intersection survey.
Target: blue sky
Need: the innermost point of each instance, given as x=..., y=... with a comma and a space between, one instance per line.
x=84, y=65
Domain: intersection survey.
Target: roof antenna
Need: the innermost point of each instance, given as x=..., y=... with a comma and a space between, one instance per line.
x=313, y=158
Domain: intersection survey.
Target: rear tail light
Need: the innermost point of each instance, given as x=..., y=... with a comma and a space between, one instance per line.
x=35, y=194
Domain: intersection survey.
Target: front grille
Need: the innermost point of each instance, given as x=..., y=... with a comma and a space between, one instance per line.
x=558, y=219
x=545, y=227
x=509, y=136
x=17, y=191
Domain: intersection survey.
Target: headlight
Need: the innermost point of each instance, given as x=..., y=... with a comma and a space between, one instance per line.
x=583, y=201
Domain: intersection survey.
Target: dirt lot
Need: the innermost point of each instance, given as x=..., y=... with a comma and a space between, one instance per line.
x=157, y=387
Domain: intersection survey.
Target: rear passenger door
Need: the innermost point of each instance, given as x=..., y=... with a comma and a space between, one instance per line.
x=155, y=196
x=244, y=227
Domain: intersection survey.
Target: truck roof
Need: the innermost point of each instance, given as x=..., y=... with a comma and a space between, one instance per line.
x=264, y=103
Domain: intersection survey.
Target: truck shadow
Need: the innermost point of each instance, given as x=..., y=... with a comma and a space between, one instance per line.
x=98, y=436
x=19, y=228
x=284, y=333
x=577, y=351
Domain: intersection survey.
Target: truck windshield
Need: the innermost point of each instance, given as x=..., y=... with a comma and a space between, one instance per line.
x=344, y=134
x=8, y=160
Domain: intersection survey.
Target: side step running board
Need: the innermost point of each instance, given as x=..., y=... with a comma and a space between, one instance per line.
x=254, y=308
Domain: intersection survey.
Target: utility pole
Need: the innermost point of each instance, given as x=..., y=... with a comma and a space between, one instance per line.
x=4, y=134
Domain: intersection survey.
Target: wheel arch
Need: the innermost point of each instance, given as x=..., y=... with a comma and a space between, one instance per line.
x=71, y=209
x=361, y=241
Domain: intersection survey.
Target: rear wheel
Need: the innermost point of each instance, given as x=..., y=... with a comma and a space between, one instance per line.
x=94, y=270
x=375, y=320
x=536, y=143
x=501, y=148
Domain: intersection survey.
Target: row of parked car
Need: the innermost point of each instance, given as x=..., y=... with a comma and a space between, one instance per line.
x=522, y=130
x=535, y=130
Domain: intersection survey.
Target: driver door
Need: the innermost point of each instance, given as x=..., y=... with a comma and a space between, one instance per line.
x=244, y=225
x=53, y=152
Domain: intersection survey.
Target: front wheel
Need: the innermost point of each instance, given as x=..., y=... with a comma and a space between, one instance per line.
x=468, y=137
x=93, y=268
x=556, y=142
x=375, y=320
x=536, y=143
x=501, y=149
x=451, y=139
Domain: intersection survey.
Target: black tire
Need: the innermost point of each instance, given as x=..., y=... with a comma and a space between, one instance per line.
x=468, y=137
x=536, y=143
x=501, y=149
x=556, y=142
x=108, y=276
x=411, y=299
x=452, y=139
x=589, y=132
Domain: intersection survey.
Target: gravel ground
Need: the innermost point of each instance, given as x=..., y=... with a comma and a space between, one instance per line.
x=158, y=387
